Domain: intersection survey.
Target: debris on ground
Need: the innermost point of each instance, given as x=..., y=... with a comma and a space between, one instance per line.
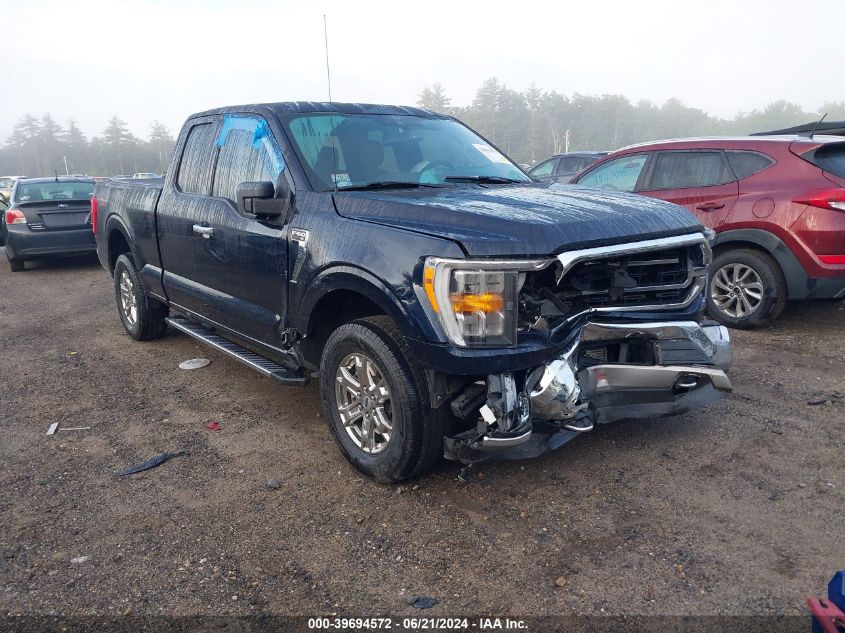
x=194, y=363
x=465, y=473
x=80, y=559
x=561, y=581
x=213, y=426
x=55, y=427
x=422, y=602
x=274, y=484
x=824, y=399
x=150, y=463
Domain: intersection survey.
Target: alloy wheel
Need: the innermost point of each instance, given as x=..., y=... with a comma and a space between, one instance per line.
x=736, y=290
x=363, y=402
x=128, y=298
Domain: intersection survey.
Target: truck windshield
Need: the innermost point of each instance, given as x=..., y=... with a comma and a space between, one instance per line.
x=356, y=150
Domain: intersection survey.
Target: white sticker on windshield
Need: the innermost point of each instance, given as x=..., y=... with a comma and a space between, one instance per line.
x=341, y=179
x=492, y=155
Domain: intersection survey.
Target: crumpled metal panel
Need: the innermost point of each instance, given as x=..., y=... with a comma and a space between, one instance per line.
x=524, y=220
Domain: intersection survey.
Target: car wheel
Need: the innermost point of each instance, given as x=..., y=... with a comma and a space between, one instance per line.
x=142, y=316
x=746, y=290
x=375, y=399
x=16, y=265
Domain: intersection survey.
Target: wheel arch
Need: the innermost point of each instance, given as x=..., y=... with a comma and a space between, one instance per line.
x=340, y=295
x=117, y=241
x=772, y=245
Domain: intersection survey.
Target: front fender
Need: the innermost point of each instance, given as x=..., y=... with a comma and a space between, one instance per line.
x=400, y=304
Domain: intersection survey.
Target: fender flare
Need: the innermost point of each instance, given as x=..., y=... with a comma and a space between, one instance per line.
x=115, y=223
x=794, y=273
x=352, y=278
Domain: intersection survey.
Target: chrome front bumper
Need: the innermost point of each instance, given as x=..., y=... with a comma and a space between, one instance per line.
x=680, y=365
x=689, y=364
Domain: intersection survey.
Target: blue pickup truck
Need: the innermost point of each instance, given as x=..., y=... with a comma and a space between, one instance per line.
x=447, y=303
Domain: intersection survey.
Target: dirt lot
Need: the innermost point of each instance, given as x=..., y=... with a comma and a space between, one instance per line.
x=734, y=509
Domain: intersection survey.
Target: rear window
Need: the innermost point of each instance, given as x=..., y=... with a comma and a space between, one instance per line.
x=831, y=158
x=746, y=164
x=40, y=191
x=196, y=159
x=683, y=170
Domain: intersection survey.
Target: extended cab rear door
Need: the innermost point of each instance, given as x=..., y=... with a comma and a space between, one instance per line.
x=699, y=179
x=185, y=193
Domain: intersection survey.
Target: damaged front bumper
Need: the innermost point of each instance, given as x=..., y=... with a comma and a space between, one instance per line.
x=612, y=371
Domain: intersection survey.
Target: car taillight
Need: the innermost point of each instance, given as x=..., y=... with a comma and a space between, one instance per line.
x=15, y=216
x=94, y=209
x=824, y=199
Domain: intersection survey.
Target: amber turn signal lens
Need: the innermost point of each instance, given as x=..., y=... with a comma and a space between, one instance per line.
x=428, y=285
x=468, y=303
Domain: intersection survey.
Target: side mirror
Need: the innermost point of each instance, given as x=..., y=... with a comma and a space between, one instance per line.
x=260, y=199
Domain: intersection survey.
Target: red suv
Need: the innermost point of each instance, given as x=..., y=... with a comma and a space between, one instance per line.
x=777, y=205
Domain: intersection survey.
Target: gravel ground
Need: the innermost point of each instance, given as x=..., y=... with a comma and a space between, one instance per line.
x=733, y=509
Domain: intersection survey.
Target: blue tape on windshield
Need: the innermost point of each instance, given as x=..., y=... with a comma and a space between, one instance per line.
x=235, y=123
x=261, y=136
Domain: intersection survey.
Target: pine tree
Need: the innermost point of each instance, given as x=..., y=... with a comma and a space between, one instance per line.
x=434, y=98
x=160, y=145
x=118, y=146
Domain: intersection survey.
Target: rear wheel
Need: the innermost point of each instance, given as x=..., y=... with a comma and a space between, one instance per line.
x=375, y=399
x=142, y=316
x=746, y=289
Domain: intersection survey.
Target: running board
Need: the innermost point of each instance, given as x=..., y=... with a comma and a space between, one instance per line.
x=250, y=359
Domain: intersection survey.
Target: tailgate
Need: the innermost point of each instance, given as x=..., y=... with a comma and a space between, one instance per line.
x=57, y=214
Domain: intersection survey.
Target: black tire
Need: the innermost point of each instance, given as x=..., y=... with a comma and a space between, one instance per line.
x=774, y=292
x=416, y=443
x=16, y=265
x=149, y=314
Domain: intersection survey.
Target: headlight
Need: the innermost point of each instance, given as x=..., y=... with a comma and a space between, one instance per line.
x=476, y=301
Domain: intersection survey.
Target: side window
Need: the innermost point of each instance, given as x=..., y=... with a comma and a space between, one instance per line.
x=193, y=168
x=619, y=174
x=746, y=164
x=543, y=169
x=247, y=154
x=567, y=165
x=682, y=170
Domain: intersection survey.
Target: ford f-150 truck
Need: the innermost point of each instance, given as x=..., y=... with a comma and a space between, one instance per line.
x=447, y=303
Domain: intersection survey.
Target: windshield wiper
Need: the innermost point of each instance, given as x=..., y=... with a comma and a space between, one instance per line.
x=496, y=180
x=387, y=184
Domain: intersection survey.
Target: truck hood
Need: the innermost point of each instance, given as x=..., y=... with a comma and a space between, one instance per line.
x=520, y=220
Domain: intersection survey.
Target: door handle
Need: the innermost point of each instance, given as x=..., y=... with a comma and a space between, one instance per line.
x=710, y=206
x=205, y=231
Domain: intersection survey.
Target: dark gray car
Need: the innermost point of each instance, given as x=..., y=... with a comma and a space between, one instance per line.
x=562, y=167
x=47, y=217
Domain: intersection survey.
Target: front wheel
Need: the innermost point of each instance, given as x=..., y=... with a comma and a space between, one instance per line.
x=375, y=399
x=142, y=316
x=747, y=289
x=16, y=265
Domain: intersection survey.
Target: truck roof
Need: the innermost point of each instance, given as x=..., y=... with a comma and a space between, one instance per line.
x=309, y=107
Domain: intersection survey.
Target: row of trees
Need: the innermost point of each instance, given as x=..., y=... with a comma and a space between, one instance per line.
x=40, y=146
x=529, y=125
x=532, y=125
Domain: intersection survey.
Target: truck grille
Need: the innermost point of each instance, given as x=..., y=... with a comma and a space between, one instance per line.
x=657, y=274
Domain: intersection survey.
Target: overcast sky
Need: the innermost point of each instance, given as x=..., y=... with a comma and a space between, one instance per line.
x=164, y=59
